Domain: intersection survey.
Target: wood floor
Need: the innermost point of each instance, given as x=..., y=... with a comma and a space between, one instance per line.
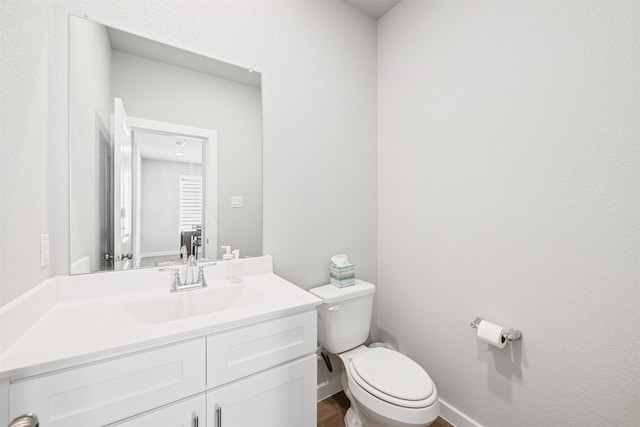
x=331, y=412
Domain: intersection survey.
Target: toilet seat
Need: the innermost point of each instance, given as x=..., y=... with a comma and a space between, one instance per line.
x=406, y=384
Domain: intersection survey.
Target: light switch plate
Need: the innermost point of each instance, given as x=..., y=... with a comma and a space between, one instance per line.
x=236, y=201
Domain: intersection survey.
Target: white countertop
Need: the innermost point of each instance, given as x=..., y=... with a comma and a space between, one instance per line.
x=68, y=320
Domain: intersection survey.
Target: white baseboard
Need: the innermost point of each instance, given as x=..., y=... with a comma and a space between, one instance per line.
x=455, y=417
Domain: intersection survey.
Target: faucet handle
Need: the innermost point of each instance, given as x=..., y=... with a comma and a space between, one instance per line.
x=201, y=278
x=175, y=278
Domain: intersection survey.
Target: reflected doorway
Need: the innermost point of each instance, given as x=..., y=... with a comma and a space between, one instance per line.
x=174, y=192
x=168, y=195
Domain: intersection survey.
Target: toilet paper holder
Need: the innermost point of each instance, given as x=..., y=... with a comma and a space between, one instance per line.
x=512, y=334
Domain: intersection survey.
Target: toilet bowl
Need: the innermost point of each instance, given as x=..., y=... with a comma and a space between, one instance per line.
x=385, y=387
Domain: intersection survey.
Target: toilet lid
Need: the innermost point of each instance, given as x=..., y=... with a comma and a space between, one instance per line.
x=393, y=374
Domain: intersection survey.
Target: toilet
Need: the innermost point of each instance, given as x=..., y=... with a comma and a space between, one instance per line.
x=385, y=387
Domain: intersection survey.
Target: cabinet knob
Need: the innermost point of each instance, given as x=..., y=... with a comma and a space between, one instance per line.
x=196, y=422
x=26, y=420
x=218, y=416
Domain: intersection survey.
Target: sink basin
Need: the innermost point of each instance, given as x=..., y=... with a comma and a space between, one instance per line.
x=197, y=302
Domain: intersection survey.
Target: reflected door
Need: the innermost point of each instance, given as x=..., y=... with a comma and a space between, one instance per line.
x=123, y=244
x=105, y=188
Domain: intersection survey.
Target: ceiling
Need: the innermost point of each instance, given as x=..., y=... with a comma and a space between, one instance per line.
x=150, y=49
x=373, y=8
x=157, y=146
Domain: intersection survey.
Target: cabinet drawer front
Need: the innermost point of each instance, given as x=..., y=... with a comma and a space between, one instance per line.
x=112, y=390
x=241, y=352
x=188, y=413
x=280, y=397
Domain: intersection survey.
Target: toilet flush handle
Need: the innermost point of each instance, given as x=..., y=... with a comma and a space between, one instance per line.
x=334, y=308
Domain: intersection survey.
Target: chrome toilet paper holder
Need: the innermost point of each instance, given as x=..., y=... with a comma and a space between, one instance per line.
x=511, y=335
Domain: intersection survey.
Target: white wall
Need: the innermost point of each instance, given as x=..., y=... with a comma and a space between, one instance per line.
x=158, y=91
x=508, y=188
x=319, y=167
x=160, y=200
x=24, y=145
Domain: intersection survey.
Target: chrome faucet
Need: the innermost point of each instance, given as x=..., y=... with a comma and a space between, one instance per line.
x=190, y=279
x=189, y=273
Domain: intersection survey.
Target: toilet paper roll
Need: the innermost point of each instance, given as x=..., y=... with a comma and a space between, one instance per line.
x=491, y=333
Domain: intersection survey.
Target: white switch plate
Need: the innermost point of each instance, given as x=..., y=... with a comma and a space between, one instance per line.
x=44, y=250
x=236, y=201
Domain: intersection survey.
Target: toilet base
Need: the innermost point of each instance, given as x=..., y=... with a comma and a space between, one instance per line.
x=355, y=418
x=351, y=419
x=369, y=418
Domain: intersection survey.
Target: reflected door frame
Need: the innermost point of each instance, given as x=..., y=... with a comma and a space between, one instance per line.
x=209, y=172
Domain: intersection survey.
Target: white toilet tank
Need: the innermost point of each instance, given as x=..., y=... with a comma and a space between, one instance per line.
x=344, y=318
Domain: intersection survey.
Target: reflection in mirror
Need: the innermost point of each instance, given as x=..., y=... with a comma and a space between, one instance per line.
x=168, y=174
x=169, y=184
x=161, y=141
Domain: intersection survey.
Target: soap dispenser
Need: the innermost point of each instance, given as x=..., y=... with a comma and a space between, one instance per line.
x=235, y=268
x=226, y=256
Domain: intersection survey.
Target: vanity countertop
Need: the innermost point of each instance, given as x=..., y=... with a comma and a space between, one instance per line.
x=68, y=319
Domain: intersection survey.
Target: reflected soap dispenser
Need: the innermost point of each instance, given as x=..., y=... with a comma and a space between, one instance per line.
x=227, y=253
x=235, y=268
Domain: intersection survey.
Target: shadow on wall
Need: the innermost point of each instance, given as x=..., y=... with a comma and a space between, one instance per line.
x=504, y=367
x=386, y=337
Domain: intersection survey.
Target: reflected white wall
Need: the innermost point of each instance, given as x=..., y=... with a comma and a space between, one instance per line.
x=160, y=199
x=90, y=106
x=158, y=91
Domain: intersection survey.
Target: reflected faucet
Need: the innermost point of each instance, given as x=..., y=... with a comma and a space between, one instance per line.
x=190, y=279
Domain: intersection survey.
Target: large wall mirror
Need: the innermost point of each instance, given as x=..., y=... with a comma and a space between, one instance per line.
x=165, y=153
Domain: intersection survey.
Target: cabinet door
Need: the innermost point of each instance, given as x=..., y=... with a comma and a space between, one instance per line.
x=187, y=413
x=280, y=397
x=112, y=390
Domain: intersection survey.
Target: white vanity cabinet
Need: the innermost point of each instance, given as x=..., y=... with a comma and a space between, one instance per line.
x=264, y=375
x=284, y=396
x=187, y=413
x=260, y=374
x=112, y=390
